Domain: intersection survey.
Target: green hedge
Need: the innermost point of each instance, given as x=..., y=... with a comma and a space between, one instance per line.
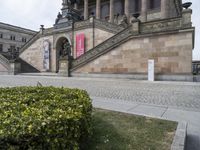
x=44, y=118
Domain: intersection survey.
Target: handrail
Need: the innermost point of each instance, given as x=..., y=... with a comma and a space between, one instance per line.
x=33, y=39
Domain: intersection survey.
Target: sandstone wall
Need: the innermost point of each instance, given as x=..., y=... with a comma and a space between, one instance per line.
x=99, y=37
x=33, y=55
x=153, y=15
x=172, y=54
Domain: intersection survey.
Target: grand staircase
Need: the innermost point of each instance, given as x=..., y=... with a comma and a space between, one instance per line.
x=31, y=41
x=102, y=48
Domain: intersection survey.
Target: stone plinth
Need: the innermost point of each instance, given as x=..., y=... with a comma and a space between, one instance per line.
x=15, y=67
x=187, y=18
x=64, y=67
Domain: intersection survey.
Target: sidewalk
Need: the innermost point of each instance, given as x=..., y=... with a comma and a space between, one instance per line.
x=191, y=117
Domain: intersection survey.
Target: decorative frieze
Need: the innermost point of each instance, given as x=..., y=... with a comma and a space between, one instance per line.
x=113, y=28
x=161, y=26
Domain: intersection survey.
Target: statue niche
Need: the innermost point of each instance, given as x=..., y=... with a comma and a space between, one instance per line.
x=65, y=51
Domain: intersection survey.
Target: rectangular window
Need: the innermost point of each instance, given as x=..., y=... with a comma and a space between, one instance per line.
x=12, y=48
x=12, y=37
x=24, y=39
x=1, y=47
x=1, y=35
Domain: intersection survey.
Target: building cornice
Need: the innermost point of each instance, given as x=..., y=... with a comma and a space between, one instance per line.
x=16, y=28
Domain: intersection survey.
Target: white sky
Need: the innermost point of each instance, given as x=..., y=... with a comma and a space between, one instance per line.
x=32, y=13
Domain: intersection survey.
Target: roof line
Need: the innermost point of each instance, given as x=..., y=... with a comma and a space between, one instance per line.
x=6, y=24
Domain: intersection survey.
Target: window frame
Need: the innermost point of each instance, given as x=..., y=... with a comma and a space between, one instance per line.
x=1, y=47
x=1, y=35
x=12, y=38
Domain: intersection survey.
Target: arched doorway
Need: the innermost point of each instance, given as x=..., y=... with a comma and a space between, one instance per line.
x=63, y=50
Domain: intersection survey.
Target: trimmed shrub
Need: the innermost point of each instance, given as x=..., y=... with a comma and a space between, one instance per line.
x=44, y=118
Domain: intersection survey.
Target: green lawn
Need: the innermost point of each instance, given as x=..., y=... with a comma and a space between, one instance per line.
x=119, y=131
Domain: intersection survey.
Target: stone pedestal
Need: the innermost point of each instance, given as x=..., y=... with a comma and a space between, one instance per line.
x=136, y=26
x=64, y=67
x=186, y=18
x=15, y=67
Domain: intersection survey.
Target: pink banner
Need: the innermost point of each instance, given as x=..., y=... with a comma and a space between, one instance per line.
x=80, y=44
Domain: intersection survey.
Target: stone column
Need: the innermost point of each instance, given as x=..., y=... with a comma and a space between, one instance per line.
x=75, y=6
x=85, y=9
x=127, y=9
x=112, y=11
x=164, y=9
x=98, y=9
x=144, y=11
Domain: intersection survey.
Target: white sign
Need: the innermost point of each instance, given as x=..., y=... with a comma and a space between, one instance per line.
x=46, y=55
x=151, y=70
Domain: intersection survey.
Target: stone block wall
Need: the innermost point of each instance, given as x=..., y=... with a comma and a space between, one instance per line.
x=172, y=54
x=99, y=37
x=33, y=55
x=153, y=15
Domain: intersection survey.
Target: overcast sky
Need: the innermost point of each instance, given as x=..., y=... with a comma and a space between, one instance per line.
x=32, y=13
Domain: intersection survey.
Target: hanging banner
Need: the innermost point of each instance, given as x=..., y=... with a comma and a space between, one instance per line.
x=46, y=55
x=80, y=44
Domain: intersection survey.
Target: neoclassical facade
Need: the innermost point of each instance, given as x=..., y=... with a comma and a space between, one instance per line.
x=12, y=38
x=111, y=9
x=113, y=38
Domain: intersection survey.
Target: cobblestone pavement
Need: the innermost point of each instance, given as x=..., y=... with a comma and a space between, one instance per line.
x=182, y=95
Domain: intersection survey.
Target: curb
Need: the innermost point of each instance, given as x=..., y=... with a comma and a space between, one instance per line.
x=179, y=142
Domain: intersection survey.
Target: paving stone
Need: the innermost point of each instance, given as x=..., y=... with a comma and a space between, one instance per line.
x=149, y=110
x=148, y=98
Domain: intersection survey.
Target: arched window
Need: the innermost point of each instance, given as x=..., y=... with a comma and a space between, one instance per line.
x=154, y=4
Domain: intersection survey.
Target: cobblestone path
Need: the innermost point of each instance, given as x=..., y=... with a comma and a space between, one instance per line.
x=173, y=94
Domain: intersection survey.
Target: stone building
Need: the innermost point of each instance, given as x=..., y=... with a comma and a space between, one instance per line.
x=12, y=38
x=115, y=38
